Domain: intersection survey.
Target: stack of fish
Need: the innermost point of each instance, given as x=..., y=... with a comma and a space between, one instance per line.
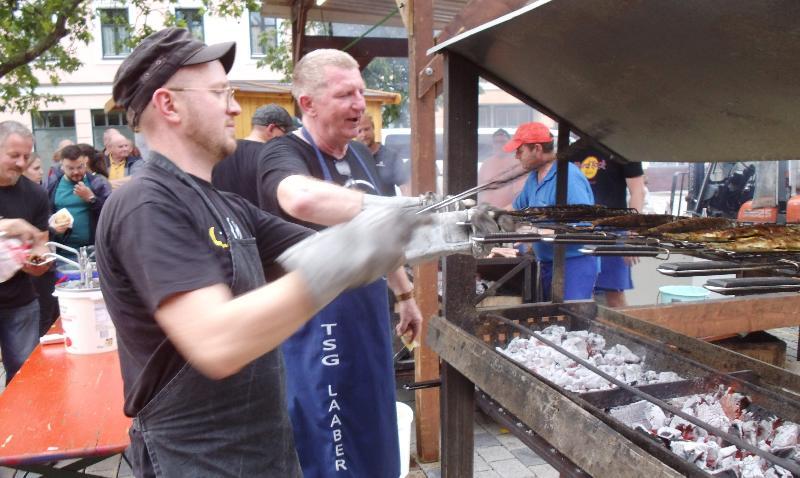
x=728, y=411
x=617, y=361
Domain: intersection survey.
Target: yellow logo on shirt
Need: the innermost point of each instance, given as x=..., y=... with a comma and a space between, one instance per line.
x=589, y=167
x=214, y=239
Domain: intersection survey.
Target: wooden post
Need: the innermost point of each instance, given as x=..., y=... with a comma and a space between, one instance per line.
x=460, y=173
x=423, y=179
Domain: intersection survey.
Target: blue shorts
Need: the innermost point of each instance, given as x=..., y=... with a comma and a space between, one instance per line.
x=579, y=277
x=614, y=274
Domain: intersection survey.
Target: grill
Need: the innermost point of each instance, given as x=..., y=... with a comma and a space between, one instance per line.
x=541, y=411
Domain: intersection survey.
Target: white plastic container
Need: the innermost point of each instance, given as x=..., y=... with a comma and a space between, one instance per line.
x=404, y=418
x=87, y=326
x=681, y=293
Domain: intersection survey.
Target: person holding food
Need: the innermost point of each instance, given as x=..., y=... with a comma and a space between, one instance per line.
x=76, y=199
x=20, y=198
x=182, y=266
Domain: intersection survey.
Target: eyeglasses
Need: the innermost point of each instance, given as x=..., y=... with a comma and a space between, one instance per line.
x=229, y=92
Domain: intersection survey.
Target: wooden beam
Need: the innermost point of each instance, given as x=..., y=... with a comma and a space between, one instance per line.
x=299, y=16
x=364, y=51
x=460, y=173
x=423, y=179
x=406, y=14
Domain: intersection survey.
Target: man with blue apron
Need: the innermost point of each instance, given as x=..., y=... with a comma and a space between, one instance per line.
x=340, y=376
x=181, y=267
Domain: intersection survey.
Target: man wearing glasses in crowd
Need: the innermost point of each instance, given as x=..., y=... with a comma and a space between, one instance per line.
x=268, y=122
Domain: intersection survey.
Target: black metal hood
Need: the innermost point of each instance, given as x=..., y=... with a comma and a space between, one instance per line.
x=655, y=80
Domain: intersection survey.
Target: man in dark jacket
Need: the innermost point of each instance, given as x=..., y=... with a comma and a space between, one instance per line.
x=120, y=161
x=82, y=194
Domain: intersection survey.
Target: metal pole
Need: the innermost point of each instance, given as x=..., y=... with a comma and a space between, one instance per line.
x=559, y=250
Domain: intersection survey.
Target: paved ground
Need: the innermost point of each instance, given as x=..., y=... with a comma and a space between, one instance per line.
x=498, y=454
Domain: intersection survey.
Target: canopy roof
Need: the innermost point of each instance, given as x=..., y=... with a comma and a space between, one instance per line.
x=654, y=80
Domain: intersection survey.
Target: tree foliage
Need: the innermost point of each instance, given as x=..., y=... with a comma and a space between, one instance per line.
x=40, y=39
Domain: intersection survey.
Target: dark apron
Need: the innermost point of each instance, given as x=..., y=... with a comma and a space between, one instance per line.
x=340, y=383
x=234, y=427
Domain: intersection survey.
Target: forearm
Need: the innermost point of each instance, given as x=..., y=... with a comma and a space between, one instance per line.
x=398, y=281
x=318, y=202
x=636, y=188
x=228, y=333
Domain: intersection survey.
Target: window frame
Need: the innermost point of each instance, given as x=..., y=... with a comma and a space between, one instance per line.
x=255, y=45
x=202, y=20
x=119, y=51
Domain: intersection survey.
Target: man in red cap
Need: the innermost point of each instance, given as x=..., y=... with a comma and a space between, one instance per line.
x=535, y=150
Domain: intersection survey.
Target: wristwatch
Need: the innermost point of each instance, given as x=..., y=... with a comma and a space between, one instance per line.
x=93, y=199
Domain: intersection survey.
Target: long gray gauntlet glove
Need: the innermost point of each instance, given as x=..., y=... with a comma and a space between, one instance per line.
x=354, y=253
x=442, y=237
x=371, y=201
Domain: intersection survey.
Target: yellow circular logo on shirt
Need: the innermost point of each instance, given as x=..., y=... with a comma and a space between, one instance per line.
x=589, y=167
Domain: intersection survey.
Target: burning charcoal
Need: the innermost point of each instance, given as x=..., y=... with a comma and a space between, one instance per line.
x=577, y=346
x=554, y=333
x=625, y=353
x=690, y=451
x=669, y=433
x=733, y=404
x=712, y=455
x=632, y=414
x=751, y=467
x=713, y=414
x=664, y=377
x=777, y=472
x=786, y=436
x=597, y=343
x=656, y=418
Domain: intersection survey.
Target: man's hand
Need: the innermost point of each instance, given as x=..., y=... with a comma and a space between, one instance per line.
x=410, y=323
x=36, y=270
x=630, y=260
x=61, y=229
x=20, y=229
x=83, y=192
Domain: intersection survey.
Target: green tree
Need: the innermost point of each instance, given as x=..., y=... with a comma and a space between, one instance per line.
x=43, y=36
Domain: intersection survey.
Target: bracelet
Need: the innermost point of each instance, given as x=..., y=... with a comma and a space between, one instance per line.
x=404, y=296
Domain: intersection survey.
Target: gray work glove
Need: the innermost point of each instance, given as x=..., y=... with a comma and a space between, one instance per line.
x=354, y=253
x=486, y=219
x=442, y=237
x=372, y=200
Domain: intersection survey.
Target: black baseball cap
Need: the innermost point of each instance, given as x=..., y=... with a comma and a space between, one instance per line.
x=154, y=62
x=274, y=114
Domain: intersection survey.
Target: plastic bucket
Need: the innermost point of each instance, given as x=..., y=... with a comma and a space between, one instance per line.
x=87, y=326
x=681, y=293
x=404, y=418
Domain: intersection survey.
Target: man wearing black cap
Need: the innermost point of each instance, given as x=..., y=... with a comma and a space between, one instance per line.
x=269, y=122
x=181, y=273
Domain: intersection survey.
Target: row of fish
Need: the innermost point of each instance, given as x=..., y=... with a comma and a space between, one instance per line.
x=617, y=361
x=725, y=410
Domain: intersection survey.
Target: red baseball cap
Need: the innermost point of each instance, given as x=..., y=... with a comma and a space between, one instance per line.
x=528, y=133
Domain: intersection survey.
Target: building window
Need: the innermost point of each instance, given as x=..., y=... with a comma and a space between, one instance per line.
x=263, y=34
x=101, y=121
x=192, y=20
x=49, y=129
x=114, y=32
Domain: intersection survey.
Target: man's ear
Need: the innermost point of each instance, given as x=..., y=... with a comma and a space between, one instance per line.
x=164, y=103
x=307, y=105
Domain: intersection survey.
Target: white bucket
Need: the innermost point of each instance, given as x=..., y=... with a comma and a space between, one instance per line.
x=404, y=418
x=87, y=326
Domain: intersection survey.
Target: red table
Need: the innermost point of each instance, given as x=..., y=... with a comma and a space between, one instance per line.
x=62, y=406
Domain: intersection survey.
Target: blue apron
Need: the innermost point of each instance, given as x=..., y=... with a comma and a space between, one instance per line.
x=340, y=383
x=233, y=427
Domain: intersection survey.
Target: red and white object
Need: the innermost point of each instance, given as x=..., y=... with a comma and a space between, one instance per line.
x=87, y=326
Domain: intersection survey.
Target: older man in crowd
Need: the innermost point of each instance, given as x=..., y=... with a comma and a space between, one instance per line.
x=182, y=262
x=23, y=199
x=121, y=163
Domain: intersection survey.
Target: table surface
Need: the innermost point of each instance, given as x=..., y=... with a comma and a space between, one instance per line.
x=61, y=406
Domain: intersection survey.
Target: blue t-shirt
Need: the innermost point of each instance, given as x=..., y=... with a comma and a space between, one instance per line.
x=536, y=194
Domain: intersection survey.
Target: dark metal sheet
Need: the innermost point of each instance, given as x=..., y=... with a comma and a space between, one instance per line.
x=655, y=80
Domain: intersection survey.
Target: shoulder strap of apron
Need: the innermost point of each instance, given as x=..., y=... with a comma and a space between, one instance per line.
x=326, y=172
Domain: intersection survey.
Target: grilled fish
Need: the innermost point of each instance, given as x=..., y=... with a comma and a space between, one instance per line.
x=691, y=224
x=634, y=220
x=733, y=233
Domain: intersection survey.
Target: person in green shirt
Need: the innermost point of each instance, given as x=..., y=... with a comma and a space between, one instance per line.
x=80, y=192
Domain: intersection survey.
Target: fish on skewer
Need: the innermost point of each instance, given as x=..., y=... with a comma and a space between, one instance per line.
x=691, y=224
x=634, y=221
x=734, y=233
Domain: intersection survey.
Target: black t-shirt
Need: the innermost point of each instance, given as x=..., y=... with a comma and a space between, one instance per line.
x=237, y=172
x=606, y=175
x=25, y=200
x=154, y=240
x=289, y=155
